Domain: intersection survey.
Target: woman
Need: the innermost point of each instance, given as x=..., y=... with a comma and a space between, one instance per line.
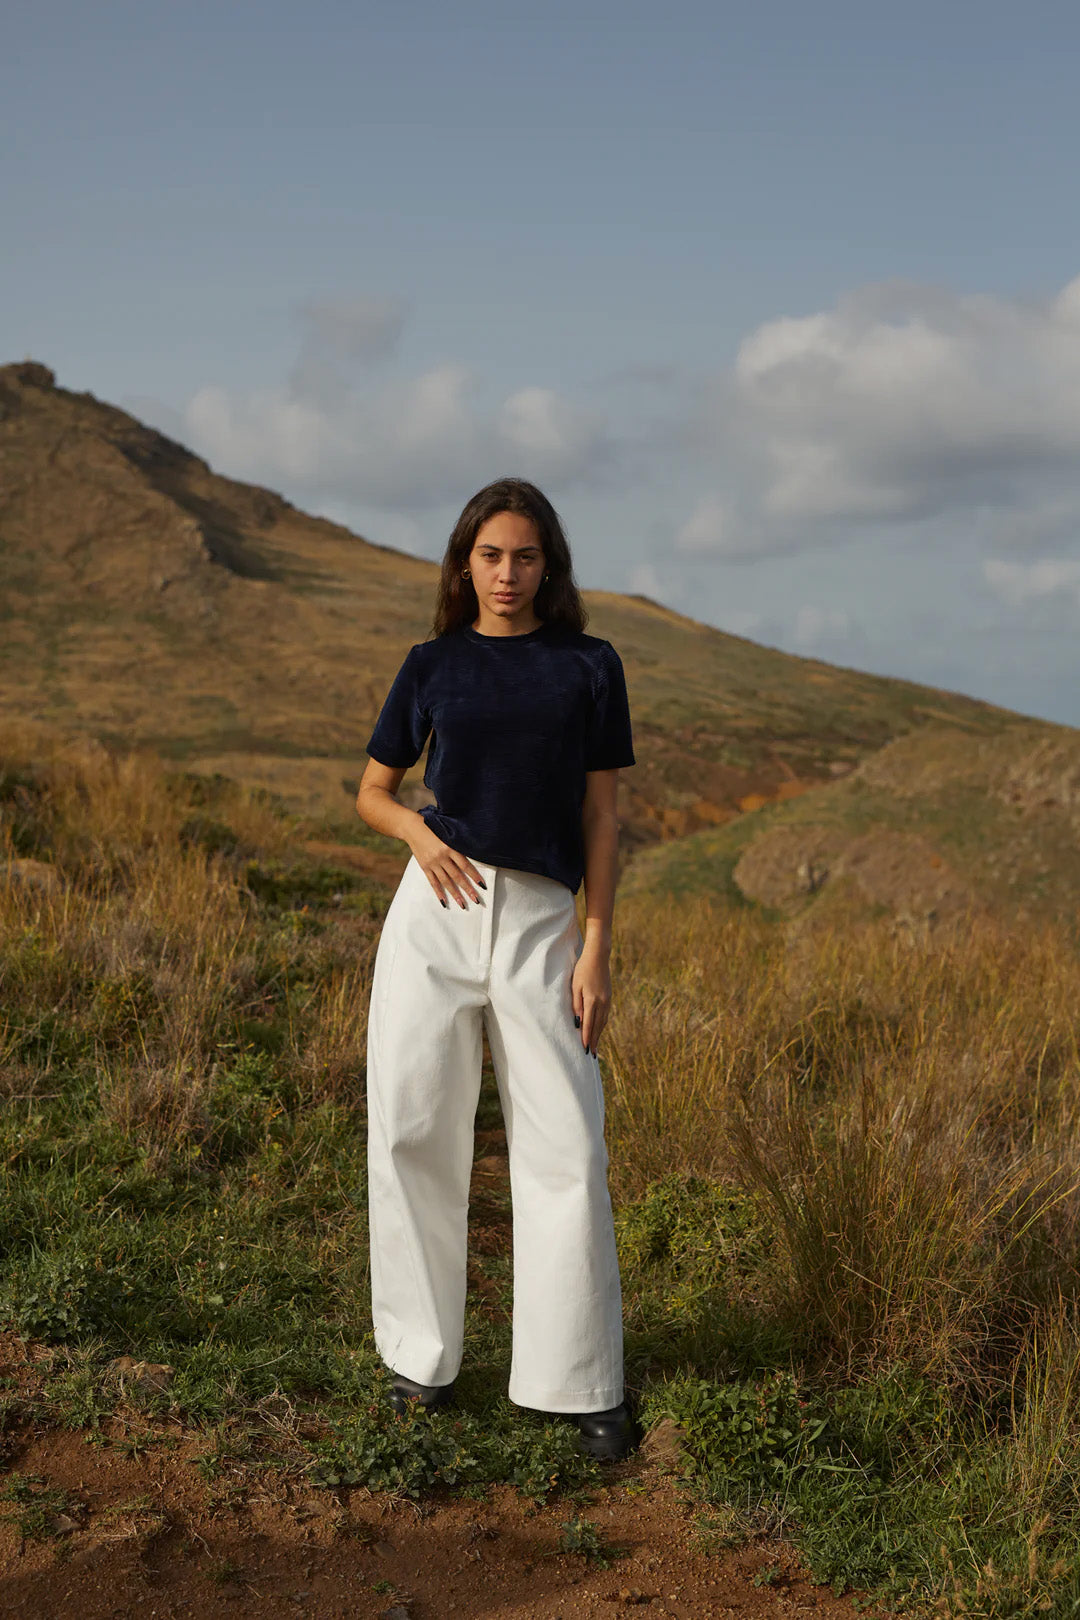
x=530, y=725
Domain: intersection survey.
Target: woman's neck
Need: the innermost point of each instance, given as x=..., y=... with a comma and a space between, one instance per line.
x=498, y=624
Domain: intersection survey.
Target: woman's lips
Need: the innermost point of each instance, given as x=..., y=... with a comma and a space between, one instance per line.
x=506, y=596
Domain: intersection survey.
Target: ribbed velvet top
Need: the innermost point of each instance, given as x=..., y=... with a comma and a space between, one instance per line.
x=515, y=723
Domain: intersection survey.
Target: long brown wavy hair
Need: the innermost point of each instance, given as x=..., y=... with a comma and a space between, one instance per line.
x=557, y=599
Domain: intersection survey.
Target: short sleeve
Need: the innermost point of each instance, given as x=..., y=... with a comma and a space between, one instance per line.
x=609, y=743
x=403, y=726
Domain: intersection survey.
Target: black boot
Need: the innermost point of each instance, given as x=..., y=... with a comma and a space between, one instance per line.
x=403, y=1392
x=610, y=1435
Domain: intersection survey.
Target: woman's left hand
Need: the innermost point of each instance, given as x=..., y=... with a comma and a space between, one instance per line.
x=591, y=991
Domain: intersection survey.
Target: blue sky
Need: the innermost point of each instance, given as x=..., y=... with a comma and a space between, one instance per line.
x=778, y=303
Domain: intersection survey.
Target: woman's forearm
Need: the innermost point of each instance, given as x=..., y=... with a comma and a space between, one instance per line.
x=601, y=835
x=382, y=811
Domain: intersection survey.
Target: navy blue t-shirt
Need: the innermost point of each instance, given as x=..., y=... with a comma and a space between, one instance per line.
x=515, y=723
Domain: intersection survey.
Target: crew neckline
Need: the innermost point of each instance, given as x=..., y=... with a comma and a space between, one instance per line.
x=521, y=635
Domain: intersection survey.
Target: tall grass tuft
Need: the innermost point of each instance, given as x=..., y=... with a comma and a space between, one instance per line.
x=906, y=1109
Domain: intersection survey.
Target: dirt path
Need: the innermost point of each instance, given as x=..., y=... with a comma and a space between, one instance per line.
x=144, y=1535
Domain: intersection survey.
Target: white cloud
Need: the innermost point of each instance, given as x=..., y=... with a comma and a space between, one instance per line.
x=645, y=580
x=662, y=584
x=904, y=410
x=395, y=443
x=550, y=432
x=707, y=527
x=901, y=405
x=1046, y=579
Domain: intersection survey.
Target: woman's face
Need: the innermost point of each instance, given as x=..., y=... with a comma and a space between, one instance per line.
x=506, y=563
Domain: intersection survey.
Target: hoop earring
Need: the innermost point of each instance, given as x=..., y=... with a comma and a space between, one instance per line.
x=546, y=576
x=464, y=573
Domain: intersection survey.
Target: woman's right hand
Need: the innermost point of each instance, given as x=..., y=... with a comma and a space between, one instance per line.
x=448, y=872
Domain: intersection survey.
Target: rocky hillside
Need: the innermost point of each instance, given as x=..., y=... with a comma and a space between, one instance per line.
x=146, y=600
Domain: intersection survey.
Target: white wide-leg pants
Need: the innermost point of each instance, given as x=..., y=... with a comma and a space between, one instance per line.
x=439, y=973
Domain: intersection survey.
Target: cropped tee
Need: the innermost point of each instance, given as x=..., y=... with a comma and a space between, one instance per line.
x=515, y=723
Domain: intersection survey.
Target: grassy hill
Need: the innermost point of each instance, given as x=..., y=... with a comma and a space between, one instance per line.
x=936, y=824
x=146, y=600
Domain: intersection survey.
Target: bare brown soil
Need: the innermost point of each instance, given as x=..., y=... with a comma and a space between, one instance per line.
x=142, y=1534
x=901, y=871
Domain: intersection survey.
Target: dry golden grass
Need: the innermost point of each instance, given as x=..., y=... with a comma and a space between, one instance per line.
x=906, y=1107
x=144, y=934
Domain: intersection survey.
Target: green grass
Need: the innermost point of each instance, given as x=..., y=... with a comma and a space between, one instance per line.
x=580, y=1535
x=32, y=1506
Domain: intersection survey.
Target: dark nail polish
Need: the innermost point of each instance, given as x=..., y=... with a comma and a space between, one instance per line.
x=481, y=882
x=577, y=1021
x=442, y=902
